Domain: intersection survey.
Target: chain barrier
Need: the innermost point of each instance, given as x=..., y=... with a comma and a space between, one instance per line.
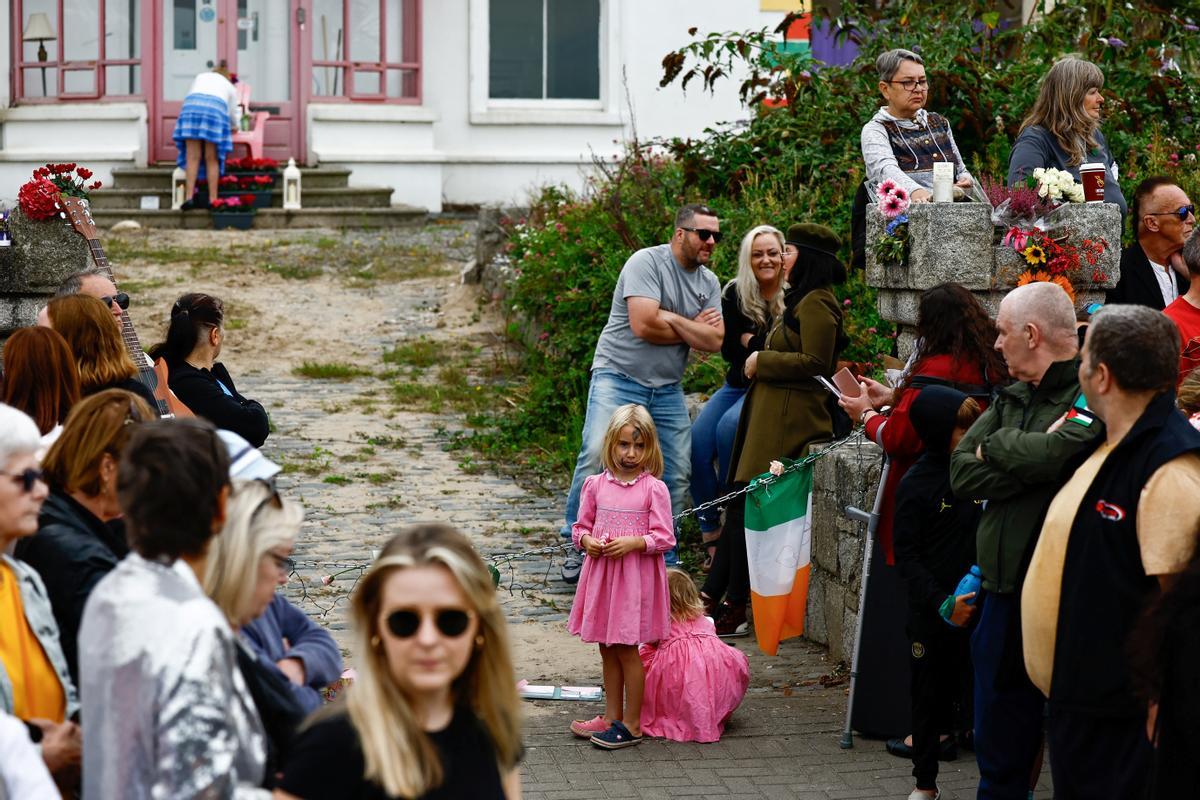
x=318, y=596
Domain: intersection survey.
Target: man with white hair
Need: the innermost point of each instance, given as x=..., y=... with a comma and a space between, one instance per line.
x=1013, y=457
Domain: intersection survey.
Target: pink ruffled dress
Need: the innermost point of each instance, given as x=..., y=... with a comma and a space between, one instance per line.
x=694, y=682
x=623, y=600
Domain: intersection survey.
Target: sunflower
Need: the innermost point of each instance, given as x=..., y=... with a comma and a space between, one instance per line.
x=1034, y=254
x=1030, y=277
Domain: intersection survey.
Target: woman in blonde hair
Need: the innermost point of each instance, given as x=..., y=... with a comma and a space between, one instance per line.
x=749, y=305
x=94, y=336
x=1062, y=130
x=434, y=711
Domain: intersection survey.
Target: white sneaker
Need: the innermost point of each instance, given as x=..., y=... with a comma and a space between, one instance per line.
x=925, y=794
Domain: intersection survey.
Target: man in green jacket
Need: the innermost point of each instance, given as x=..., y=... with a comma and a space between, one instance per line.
x=1013, y=458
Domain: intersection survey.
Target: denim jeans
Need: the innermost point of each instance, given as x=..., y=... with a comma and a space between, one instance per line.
x=713, y=433
x=610, y=390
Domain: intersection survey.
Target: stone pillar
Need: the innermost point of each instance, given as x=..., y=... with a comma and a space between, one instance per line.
x=41, y=255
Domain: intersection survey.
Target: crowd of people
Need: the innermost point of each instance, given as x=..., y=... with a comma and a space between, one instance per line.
x=146, y=652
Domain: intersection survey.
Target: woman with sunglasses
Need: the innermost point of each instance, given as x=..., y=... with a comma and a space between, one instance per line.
x=283, y=654
x=193, y=344
x=94, y=337
x=34, y=683
x=433, y=712
x=903, y=141
x=79, y=538
x=1062, y=129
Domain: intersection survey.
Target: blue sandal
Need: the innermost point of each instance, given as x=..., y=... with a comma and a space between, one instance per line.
x=616, y=737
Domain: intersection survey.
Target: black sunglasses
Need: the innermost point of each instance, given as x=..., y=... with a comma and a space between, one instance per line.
x=27, y=478
x=1183, y=212
x=705, y=234
x=452, y=622
x=121, y=299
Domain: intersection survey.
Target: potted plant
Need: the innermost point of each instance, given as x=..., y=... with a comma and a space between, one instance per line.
x=268, y=167
x=256, y=186
x=233, y=212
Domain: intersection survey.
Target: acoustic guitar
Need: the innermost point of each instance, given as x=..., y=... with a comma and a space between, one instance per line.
x=76, y=212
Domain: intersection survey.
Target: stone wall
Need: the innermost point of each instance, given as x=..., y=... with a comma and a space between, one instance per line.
x=41, y=255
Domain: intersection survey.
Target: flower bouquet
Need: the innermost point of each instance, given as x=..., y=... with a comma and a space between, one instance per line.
x=256, y=186
x=1055, y=259
x=892, y=247
x=253, y=166
x=236, y=211
x=38, y=197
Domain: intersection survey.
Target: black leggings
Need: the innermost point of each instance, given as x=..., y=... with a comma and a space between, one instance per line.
x=730, y=574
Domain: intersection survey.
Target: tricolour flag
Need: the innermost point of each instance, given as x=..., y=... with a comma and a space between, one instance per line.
x=778, y=548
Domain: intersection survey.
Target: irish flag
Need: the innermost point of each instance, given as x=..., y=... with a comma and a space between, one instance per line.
x=778, y=546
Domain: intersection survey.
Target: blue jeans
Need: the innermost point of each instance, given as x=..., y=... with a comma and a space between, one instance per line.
x=713, y=433
x=1008, y=707
x=607, y=392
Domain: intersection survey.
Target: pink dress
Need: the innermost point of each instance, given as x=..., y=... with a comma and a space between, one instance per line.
x=694, y=682
x=623, y=600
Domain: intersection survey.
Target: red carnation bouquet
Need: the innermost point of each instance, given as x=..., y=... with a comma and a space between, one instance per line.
x=38, y=198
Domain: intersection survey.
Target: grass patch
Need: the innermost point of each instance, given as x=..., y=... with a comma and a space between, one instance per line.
x=417, y=353
x=235, y=324
x=336, y=480
x=294, y=271
x=135, y=287
x=331, y=371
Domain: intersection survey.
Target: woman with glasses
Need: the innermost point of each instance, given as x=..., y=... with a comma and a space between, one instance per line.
x=749, y=304
x=433, y=712
x=193, y=344
x=40, y=378
x=1062, y=130
x=166, y=713
x=94, y=336
x=79, y=538
x=903, y=141
x=34, y=683
x=283, y=653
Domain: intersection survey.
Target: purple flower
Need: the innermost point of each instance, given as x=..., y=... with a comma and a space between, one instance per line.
x=846, y=302
x=1113, y=42
x=1191, y=27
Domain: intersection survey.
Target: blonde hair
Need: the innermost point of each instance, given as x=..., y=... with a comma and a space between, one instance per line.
x=749, y=296
x=1188, y=395
x=257, y=520
x=398, y=754
x=99, y=424
x=1059, y=106
x=685, y=600
x=638, y=418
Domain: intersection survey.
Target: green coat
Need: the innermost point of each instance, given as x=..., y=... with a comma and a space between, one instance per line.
x=1021, y=471
x=785, y=410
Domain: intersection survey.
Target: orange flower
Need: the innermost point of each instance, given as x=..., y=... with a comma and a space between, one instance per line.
x=1062, y=281
x=1041, y=276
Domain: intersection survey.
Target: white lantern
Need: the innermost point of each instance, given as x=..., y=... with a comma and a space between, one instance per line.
x=178, y=189
x=291, y=186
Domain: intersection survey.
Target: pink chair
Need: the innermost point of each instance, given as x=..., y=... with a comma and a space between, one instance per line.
x=253, y=138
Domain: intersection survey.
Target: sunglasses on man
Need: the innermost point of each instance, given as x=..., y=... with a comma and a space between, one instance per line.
x=705, y=234
x=1183, y=212
x=451, y=622
x=120, y=298
x=26, y=478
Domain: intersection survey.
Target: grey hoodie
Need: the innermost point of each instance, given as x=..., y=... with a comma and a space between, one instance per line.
x=881, y=162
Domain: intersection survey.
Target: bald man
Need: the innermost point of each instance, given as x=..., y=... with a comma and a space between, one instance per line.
x=1013, y=457
x=95, y=283
x=1153, y=273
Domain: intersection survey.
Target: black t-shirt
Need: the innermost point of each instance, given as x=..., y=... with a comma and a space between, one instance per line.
x=326, y=761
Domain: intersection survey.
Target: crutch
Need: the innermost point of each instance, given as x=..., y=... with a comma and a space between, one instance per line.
x=872, y=520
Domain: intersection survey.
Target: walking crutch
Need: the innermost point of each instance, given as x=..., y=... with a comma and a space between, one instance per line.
x=872, y=520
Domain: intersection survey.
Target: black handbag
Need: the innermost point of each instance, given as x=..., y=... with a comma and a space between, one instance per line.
x=278, y=708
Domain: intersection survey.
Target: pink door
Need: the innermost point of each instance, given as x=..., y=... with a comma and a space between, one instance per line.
x=259, y=41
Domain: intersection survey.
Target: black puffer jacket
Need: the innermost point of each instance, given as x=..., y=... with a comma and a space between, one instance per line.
x=72, y=550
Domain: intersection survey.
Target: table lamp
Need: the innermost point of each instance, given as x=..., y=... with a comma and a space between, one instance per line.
x=38, y=29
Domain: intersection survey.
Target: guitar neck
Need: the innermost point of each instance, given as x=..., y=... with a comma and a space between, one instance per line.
x=128, y=334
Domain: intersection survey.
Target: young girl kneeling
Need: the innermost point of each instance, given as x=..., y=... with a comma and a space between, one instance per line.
x=624, y=526
x=694, y=681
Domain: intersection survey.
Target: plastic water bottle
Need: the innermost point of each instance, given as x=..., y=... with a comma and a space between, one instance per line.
x=971, y=582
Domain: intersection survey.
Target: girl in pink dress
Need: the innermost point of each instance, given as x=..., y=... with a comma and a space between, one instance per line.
x=694, y=681
x=624, y=527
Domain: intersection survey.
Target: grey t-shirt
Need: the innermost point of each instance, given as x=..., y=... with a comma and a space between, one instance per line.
x=654, y=273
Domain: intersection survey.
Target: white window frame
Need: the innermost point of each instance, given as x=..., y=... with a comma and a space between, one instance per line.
x=527, y=111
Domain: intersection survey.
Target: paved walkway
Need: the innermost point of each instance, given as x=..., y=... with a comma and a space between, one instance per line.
x=363, y=468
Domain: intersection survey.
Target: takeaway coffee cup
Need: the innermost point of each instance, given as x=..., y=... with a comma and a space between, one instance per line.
x=1092, y=176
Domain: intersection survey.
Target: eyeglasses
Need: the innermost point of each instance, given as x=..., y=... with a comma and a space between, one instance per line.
x=272, y=498
x=912, y=85
x=285, y=565
x=452, y=622
x=705, y=234
x=26, y=478
x=120, y=298
x=1183, y=212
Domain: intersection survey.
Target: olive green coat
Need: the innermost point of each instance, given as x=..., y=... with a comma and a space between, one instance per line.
x=785, y=410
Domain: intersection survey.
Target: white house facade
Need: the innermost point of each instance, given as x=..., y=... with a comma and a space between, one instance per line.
x=449, y=102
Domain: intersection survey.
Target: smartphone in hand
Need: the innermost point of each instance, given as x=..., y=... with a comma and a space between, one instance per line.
x=846, y=383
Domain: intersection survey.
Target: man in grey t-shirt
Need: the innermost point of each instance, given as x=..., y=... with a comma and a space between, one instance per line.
x=666, y=302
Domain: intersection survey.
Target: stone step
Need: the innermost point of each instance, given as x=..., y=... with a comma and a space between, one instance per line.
x=267, y=218
x=313, y=197
x=160, y=177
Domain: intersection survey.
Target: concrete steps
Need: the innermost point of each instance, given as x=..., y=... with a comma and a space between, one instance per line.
x=329, y=202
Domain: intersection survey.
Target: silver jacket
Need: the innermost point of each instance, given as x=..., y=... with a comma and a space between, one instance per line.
x=36, y=604
x=166, y=713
